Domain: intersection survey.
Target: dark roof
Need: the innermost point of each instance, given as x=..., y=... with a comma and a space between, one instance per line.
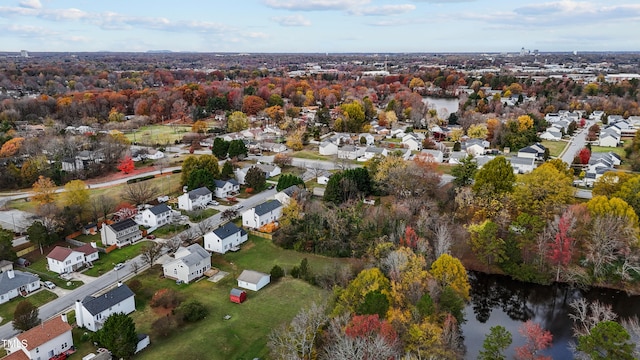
x=266, y=207
x=86, y=249
x=96, y=305
x=196, y=193
x=59, y=253
x=293, y=189
x=159, y=209
x=227, y=230
x=20, y=278
x=529, y=150
x=124, y=224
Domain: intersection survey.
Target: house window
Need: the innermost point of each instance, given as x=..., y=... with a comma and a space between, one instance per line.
x=68, y=262
x=175, y=271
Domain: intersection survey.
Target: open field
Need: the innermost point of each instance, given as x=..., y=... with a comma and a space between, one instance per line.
x=306, y=154
x=555, y=147
x=158, y=134
x=38, y=299
x=605, y=149
x=244, y=335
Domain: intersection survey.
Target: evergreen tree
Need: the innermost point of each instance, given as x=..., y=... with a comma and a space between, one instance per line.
x=25, y=316
x=227, y=171
x=255, y=179
x=118, y=334
x=237, y=149
x=220, y=148
x=287, y=180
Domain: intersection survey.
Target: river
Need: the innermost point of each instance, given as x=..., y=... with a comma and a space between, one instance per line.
x=444, y=106
x=498, y=300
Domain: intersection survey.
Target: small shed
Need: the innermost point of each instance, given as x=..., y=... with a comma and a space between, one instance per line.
x=253, y=280
x=237, y=296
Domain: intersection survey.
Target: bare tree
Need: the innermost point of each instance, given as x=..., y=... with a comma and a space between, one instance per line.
x=140, y=192
x=203, y=227
x=151, y=252
x=173, y=244
x=607, y=242
x=586, y=315
x=395, y=263
x=442, y=239
x=298, y=339
x=135, y=266
x=229, y=214
x=101, y=206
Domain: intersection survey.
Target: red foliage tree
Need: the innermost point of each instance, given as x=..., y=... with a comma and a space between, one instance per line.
x=126, y=165
x=561, y=248
x=584, y=155
x=370, y=326
x=537, y=339
x=410, y=238
x=252, y=104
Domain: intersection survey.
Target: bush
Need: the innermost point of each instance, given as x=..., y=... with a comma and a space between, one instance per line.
x=276, y=273
x=176, y=171
x=166, y=298
x=193, y=311
x=164, y=326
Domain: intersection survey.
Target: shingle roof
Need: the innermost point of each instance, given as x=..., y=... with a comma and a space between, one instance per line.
x=124, y=224
x=196, y=253
x=20, y=278
x=98, y=304
x=291, y=190
x=196, y=193
x=266, y=207
x=159, y=209
x=59, y=253
x=227, y=230
x=86, y=249
x=251, y=276
x=44, y=332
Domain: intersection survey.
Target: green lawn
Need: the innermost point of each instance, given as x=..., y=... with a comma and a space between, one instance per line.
x=244, y=336
x=106, y=261
x=158, y=134
x=40, y=267
x=168, y=231
x=38, y=299
x=199, y=215
x=555, y=147
x=306, y=154
x=604, y=149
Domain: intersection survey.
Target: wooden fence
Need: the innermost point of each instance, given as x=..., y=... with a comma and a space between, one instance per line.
x=261, y=234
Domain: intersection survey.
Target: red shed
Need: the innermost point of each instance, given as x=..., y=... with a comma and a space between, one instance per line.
x=237, y=296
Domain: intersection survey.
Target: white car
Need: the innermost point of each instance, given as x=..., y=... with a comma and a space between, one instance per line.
x=118, y=266
x=48, y=284
x=214, y=203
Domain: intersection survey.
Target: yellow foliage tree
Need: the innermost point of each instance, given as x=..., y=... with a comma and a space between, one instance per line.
x=367, y=280
x=456, y=134
x=237, y=121
x=416, y=82
x=449, y=271
x=75, y=194
x=478, y=131
x=294, y=141
x=44, y=191
x=199, y=126
x=525, y=122
x=291, y=212
x=601, y=206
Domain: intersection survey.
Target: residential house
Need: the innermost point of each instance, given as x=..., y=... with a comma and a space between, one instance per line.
x=521, y=165
x=404, y=153
x=436, y=155
x=63, y=260
x=366, y=139
x=475, y=147
x=253, y=280
x=593, y=174
x=156, y=216
x=14, y=283
x=49, y=339
x=90, y=229
x=273, y=147
x=285, y=195
x=93, y=311
x=195, y=199
x=552, y=134
x=611, y=159
x=372, y=151
x=412, y=141
x=455, y=157
x=328, y=148
x=350, y=152
x=189, y=263
x=323, y=178
x=226, y=237
x=226, y=188
x=265, y=213
x=122, y=233
x=535, y=151
x=609, y=138
x=154, y=154
x=596, y=115
x=268, y=169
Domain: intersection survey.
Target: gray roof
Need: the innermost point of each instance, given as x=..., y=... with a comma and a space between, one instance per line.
x=520, y=160
x=375, y=150
x=96, y=305
x=124, y=224
x=159, y=209
x=528, y=150
x=196, y=193
x=236, y=292
x=251, y=276
x=197, y=254
x=291, y=190
x=20, y=278
x=222, y=183
x=227, y=230
x=265, y=207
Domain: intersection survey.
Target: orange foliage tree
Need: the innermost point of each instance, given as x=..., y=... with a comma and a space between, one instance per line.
x=11, y=147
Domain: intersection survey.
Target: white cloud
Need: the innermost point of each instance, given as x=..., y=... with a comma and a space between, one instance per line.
x=291, y=20
x=312, y=5
x=383, y=10
x=31, y=4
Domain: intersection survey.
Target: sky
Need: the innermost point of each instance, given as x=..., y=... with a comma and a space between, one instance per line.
x=319, y=26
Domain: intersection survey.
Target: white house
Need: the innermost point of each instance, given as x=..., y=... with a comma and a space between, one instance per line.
x=122, y=233
x=190, y=263
x=194, y=199
x=226, y=188
x=412, y=141
x=350, y=152
x=535, y=151
x=253, y=280
x=154, y=154
x=155, y=216
x=262, y=214
x=521, y=165
x=285, y=195
x=92, y=312
x=552, y=133
x=609, y=138
x=475, y=147
x=323, y=178
x=65, y=260
x=368, y=139
x=372, y=151
x=14, y=283
x=455, y=157
x=328, y=148
x=268, y=169
x=436, y=155
x=44, y=341
x=226, y=237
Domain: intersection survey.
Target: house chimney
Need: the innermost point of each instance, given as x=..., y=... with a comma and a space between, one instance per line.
x=119, y=283
x=64, y=317
x=94, y=245
x=79, y=319
x=10, y=274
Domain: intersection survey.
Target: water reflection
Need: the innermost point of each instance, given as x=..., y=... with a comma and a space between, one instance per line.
x=498, y=300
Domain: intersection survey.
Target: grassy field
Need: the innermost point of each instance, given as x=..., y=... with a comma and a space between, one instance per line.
x=106, y=261
x=244, y=335
x=167, y=231
x=38, y=299
x=555, y=147
x=158, y=134
x=306, y=154
x=605, y=149
x=199, y=215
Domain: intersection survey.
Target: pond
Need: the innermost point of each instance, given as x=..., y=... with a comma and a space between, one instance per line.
x=499, y=300
x=444, y=106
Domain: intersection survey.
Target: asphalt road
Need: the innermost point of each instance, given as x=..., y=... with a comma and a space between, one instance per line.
x=576, y=143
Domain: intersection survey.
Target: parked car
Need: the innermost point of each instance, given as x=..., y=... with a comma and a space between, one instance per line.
x=214, y=203
x=151, y=237
x=23, y=262
x=118, y=266
x=48, y=284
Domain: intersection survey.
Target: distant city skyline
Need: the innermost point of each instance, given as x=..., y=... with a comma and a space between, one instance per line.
x=319, y=26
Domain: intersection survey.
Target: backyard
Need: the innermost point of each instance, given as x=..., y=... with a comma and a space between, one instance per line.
x=158, y=134
x=306, y=154
x=555, y=147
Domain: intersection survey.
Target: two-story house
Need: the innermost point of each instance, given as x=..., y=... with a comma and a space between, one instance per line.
x=156, y=216
x=226, y=237
x=93, y=311
x=262, y=214
x=226, y=188
x=65, y=260
x=122, y=233
x=189, y=263
x=195, y=199
x=49, y=339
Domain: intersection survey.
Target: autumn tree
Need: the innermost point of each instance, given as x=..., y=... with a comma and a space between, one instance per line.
x=252, y=104
x=478, y=131
x=561, y=246
x=630, y=193
x=199, y=127
x=449, y=271
x=208, y=163
x=26, y=316
x=615, y=207
x=610, y=183
x=295, y=140
x=486, y=243
x=495, y=178
x=237, y=121
x=255, y=178
x=297, y=340
x=126, y=165
x=354, y=294
x=11, y=147
x=537, y=339
x=545, y=190
x=282, y=160
x=140, y=192
x=354, y=116
x=75, y=194
x=44, y=191
x=525, y=122
x=584, y=155
x=495, y=343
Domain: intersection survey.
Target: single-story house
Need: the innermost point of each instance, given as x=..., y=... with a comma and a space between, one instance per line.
x=14, y=283
x=156, y=216
x=90, y=229
x=237, y=296
x=92, y=312
x=552, y=134
x=51, y=338
x=189, y=263
x=195, y=199
x=285, y=195
x=268, y=169
x=226, y=188
x=265, y=213
x=253, y=280
x=328, y=148
x=122, y=233
x=226, y=237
